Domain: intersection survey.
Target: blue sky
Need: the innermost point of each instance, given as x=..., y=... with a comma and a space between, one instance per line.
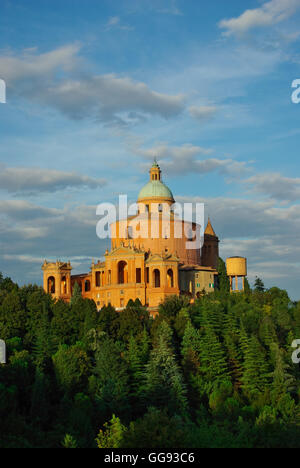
x=95, y=89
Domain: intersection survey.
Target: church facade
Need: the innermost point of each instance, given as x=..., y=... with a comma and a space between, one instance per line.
x=146, y=267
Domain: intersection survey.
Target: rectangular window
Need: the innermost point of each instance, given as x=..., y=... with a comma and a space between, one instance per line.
x=138, y=275
x=147, y=275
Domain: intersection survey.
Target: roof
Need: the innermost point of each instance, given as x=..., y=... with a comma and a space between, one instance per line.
x=155, y=189
x=209, y=229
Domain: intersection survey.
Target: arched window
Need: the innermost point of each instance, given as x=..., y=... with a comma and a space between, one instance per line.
x=64, y=285
x=98, y=279
x=87, y=285
x=122, y=272
x=51, y=285
x=156, y=278
x=170, y=278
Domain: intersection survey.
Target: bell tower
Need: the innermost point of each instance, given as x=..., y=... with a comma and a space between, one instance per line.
x=210, y=249
x=57, y=279
x=155, y=172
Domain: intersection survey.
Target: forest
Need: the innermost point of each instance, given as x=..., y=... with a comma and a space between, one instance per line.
x=215, y=373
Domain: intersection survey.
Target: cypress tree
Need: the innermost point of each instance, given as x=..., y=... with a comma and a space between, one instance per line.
x=255, y=376
x=164, y=385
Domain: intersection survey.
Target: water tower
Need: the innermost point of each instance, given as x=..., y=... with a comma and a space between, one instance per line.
x=236, y=268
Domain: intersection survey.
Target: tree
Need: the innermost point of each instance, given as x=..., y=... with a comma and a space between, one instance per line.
x=259, y=285
x=213, y=363
x=283, y=382
x=164, y=385
x=156, y=429
x=112, y=435
x=69, y=441
x=255, y=376
x=76, y=294
x=12, y=316
x=71, y=367
x=44, y=346
x=223, y=280
x=109, y=385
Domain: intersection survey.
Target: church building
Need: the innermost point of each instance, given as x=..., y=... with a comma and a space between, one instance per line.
x=147, y=267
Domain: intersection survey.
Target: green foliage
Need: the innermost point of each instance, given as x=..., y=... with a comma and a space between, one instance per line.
x=71, y=368
x=223, y=280
x=69, y=442
x=76, y=293
x=259, y=285
x=216, y=373
x=113, y=434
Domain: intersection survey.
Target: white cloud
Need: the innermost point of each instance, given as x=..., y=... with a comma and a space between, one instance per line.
x=36, y=180
x=114, y=22
x=30, y=65
x=109, y=97
x=275, y=186
x=185, y=159
x=268, y=14
x=202, y=113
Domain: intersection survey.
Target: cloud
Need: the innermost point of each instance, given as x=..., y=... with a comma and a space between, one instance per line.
x=184, y=159
x=202, y=113
x=55, y=79
x=276, y=186
x=32, y=66
x=108, y=96
x=36, y=180
x=270, y=13
x=114, y=22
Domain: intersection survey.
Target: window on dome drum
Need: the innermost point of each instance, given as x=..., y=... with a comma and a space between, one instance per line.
x=51, y=285
x=64, y=285
x=122, y=272
x=160, y=207
x=87, y=285
x=156, y=278
x=138, y=275
x=98, y=279
x=170, y=278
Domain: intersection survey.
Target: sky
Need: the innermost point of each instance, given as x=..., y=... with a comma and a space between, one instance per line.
x=96, y=89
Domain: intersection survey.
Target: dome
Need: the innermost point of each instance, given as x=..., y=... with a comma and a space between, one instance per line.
x=155, y=188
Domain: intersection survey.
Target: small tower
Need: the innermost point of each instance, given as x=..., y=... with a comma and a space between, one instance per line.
x=236, y=268
x=57, y=279
x=155, y=172
x=210, y=249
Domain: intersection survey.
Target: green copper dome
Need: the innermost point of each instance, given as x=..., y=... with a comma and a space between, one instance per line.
x=155, y=188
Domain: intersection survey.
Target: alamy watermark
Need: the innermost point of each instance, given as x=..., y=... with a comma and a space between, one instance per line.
x=2, y=352
x=2, y=92
x=152, y=221
x=296, y=94
x=296, y=353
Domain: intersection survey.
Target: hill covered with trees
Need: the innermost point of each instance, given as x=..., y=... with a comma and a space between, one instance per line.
x=216, y=373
